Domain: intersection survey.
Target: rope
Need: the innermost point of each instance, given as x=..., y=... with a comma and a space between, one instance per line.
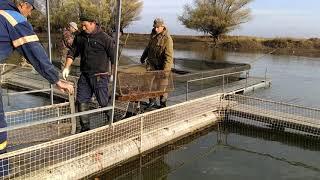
x=258, y=58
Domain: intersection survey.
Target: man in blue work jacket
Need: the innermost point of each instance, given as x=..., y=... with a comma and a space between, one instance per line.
x=16, y=33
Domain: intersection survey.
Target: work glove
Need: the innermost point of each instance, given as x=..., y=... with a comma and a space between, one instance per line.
x=65, y=73
x=142, y=61
x=111, y=78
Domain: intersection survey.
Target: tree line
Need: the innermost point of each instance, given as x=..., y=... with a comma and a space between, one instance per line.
x=213, y=17
x=64, y=11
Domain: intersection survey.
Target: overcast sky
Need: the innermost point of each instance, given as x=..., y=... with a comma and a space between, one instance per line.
x=270, y=18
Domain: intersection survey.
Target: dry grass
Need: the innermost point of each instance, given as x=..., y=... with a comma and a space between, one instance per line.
x=286, y=46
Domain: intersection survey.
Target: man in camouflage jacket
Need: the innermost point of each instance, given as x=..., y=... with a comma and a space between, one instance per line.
x=159, y=54
x=67, y=39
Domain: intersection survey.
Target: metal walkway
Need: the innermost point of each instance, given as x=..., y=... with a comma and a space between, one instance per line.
x=277, y=115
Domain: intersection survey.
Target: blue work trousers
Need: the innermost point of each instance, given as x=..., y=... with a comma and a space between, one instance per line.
x=93, y=84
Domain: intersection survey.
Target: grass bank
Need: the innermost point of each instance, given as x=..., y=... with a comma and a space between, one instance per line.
x=281, y=46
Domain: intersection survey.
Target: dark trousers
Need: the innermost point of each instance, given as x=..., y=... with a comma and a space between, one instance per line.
x=4, y=164
x=87, y=86
x=91, y=84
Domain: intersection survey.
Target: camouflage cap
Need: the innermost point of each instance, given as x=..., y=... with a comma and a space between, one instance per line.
x=158, y=22
x=88, y=16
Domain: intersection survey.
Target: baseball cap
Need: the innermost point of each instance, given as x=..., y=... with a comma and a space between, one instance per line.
x=31, y=2
x=74, y=25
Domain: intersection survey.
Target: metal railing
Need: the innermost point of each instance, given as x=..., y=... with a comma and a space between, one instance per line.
x=224, y=80
x=55, y=119
x=274, y=114
x=14, y=67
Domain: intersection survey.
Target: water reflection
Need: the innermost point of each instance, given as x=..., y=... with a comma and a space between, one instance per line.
x=229, y=151
x=247, y=151
x=193, y=53
x=18, y=102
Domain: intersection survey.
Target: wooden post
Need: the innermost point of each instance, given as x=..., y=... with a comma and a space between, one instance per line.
x=73, y=111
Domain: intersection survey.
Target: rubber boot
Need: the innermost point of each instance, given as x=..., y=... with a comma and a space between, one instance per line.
x=163, y=104
x=84, y=119
x=152, y=103
x=107, y=117
x=163, y=101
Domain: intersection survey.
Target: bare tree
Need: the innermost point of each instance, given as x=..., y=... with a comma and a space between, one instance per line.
x=215, y=17
x=64, y=11
x=131, y=9
x=130, y=12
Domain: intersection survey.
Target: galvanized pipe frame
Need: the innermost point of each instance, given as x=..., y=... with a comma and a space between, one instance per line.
x=49, y=43
x=116, y=60
x=37, y=109
x=26, y=92
x=238, y=96
x=50, y=120
x=23, y=92
x=274, y=114
x=212, y=77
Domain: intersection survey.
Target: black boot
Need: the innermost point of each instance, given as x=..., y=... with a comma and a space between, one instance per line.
x=163, y=101
x=163, y=104
x=152, y=103
x=84, y=119
x=107, y=117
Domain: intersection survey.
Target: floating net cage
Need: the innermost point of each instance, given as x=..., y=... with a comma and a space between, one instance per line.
x=59, y=154
x=277, y=115
x=42, y=142
x=73, y=153
x=216, y=146
x=34, y=126
x=279, y=135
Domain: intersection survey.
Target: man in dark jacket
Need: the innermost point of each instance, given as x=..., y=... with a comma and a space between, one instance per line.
x=16, y=33
x=96, y=50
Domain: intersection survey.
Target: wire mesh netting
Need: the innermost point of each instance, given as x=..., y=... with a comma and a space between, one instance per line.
x=161, y=162
x=135, y=86
x=27, y=128
x=33, y=161
x=12, y=71
x=127, y=138
x=273, y=114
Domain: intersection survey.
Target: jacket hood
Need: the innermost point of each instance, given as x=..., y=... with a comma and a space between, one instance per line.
x=8, y=5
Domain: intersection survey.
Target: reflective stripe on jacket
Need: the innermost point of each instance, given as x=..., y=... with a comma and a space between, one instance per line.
x=17, y=33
